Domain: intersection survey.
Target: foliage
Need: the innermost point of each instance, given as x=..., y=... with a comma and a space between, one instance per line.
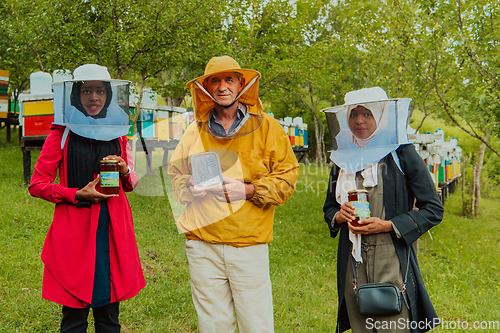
x=15, y=55
x=458, y=41
x=290, y=43
x=131, y=38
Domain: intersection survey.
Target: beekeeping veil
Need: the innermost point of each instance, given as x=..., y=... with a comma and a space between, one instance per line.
x=353, y=154
x=203, y=102
x=113, y=119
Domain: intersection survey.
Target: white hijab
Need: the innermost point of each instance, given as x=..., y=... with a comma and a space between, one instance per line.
x=380, y=116
x=347, y=181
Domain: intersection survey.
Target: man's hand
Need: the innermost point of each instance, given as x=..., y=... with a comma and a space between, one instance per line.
x=371, y=225
x=90, y=193
x=233, y=190
x=196, y=193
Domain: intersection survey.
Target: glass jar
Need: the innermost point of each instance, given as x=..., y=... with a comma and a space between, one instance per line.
x=110, y=177
x=359, y=199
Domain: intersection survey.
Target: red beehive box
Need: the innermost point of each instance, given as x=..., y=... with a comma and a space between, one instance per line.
x=38, y=125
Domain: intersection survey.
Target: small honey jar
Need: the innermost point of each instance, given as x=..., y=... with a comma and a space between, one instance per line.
x=110, y=177
x=359, y=199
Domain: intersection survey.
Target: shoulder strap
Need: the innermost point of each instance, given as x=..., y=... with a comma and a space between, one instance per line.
x=355, y=267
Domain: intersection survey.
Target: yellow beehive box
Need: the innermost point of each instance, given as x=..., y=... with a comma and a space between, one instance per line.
x=161, y=122
x=177, y=118
x=4, y=106
x=162, y=130
x=38, y=108
x=4, y=75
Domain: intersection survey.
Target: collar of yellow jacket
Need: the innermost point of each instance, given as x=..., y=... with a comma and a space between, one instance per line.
x=203, y=103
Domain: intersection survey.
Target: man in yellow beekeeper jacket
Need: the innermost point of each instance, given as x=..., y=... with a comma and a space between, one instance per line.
x=229, y=224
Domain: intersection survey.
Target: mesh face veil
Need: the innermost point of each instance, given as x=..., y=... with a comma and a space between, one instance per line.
x=367, y=128
x=93, y=105
x=204, y=102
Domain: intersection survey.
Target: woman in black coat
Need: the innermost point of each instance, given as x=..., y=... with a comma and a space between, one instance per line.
x=404, y=182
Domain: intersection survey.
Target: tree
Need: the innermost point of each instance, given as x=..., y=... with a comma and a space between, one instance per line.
x=135, y=40
x=15, y=55
x=442, y=54
x=126, y=36
x=291, y=45
x=463, y=52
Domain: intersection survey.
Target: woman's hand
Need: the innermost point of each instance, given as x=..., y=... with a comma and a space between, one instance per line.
x=90, y=193
x=122, y=165
x=346, y=213
x=371, y=225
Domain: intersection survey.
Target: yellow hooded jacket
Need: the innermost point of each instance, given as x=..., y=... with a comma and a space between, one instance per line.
x=263, y=157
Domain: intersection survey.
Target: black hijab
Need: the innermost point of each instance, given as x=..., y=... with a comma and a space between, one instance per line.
x=77, y=103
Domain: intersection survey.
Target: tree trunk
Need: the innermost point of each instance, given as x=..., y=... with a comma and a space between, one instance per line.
x=306, y=160
x=135, y=117
x=464, y=202
x=412, y=108
x=319, y=131
x=473, y=192
x=477, y=173
x=174, y=101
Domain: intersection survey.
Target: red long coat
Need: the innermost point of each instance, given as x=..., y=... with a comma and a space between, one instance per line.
x=70, y=246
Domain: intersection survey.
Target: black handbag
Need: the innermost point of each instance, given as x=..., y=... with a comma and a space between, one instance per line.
x=380, y=299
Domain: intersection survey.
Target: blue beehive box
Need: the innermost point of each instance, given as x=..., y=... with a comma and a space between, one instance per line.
x=147, y=129
x=146, y=115
x=306, y=142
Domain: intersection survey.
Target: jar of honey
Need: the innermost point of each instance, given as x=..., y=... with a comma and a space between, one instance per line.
x=359, y=199
x=110, y=177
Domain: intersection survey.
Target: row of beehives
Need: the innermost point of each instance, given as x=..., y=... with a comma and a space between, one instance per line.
x=4, y=96
x=296, y=130
x=37, y=110
x=441, y=157
x=154, y=122
x=159, y=122
x=162, y=125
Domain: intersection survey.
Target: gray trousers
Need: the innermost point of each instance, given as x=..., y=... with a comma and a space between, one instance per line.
x=380, y=265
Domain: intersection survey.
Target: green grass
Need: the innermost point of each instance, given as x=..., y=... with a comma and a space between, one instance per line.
x=460, y=264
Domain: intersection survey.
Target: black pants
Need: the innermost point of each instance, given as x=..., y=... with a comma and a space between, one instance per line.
x=105, y=317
